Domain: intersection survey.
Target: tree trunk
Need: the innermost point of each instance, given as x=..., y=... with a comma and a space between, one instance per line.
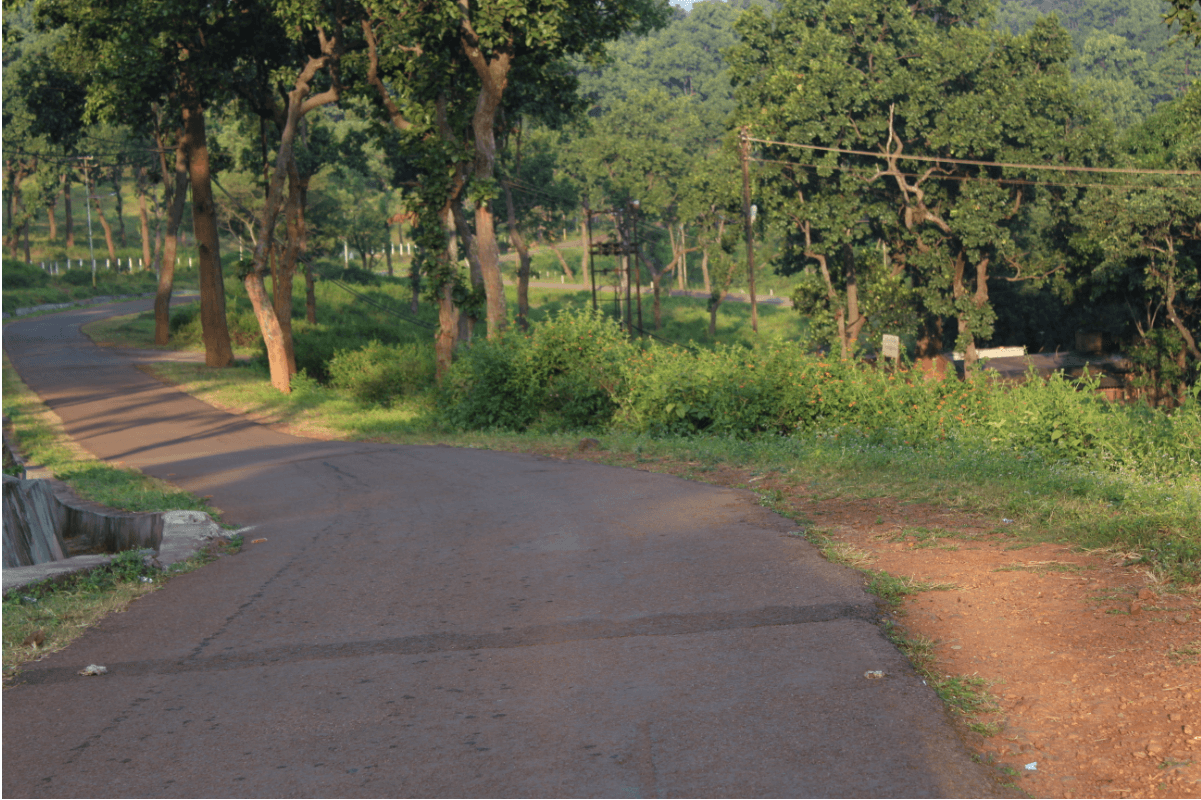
x=50, y=209
x=68, y=221
x=562, y=262
x=218, y=351
x=297, y=238
x=116, y=178
x=414, y=284
x=143, y=214
x=523, y=256
x=95, y=198
x=449, y=321
x=705, y=269
x=586, y=256
x=494, y=77
x=175, y=193
x=388, y=252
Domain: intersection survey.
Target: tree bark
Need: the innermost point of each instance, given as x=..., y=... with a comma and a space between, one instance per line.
x=50, y=209
x=143, y=214
x=175, y=193
x=95, y=198
x=68, y=221
x=218, y=351
x=567, y=272
x=280, y=358
x=115, y=175
x=523, y=256
x=494, y=76
x=448, y=313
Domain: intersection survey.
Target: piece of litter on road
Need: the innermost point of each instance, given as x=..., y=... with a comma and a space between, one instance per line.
x=1007, y=521
x=144, y=579
x=874, y=674
x=256, y=541
x=1032, y=766
x=93, y=669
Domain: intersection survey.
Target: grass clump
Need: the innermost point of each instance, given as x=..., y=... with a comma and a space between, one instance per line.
x=894, y=588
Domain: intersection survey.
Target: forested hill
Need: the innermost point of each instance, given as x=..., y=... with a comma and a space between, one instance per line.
x=1122, y=54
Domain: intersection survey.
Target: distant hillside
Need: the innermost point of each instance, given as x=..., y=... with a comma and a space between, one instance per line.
x=1124, y=55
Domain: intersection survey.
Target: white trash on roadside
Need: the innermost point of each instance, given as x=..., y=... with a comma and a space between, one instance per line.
x=874, y=674
x=93, y=669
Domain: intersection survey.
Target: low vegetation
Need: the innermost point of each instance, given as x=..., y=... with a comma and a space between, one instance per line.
x=28, y=285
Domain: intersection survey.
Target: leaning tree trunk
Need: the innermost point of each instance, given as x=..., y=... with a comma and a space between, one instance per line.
x=51, y=207
x=218, y=351
x=115, y=175
x=68, y=220
x=175, y=192
x=523, y=255
x=494, y=77
x=143, y=214
x=95, y=198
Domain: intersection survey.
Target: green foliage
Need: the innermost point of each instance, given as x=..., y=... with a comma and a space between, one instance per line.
x=19, y=275
x=379, y=373
x=566, y=374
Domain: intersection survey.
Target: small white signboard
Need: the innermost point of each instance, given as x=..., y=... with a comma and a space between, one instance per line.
x=891, y=346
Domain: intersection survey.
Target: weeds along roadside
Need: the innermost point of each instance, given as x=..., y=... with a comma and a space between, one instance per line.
x=49, y=615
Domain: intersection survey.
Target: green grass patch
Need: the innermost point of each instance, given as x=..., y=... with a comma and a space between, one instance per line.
x=966, y=695
x=923, y=537
x=895, y=588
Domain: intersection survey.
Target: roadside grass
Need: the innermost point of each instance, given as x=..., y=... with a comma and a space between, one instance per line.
x=58, y=611
x=968, y=696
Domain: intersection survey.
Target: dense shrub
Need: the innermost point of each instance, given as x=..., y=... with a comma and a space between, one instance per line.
x=779, y=389
x=19, y=275
x=76, y=277
x=565, y=375
x=379, y=373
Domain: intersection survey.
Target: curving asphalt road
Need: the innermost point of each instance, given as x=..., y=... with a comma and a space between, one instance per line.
x=431, y=622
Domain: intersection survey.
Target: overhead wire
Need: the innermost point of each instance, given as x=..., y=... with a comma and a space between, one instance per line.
x=975, y=179
x=976, y=163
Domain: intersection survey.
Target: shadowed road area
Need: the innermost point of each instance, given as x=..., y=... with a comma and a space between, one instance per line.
x=429, y=621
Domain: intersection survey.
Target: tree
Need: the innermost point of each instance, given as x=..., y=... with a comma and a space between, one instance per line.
x=141, y=58
x=900, y=113
x=527, y=40
x=1148, y=230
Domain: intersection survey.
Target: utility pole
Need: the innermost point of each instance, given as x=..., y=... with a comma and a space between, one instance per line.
x=634, y=206
x=588, y=252
x=744, y=137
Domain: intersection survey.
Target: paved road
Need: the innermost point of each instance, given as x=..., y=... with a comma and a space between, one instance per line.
x=427, y=621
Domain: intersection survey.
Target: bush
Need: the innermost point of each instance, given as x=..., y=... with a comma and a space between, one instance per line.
x=19, y=275
x=378, y=373
x=76, y=277
x=565, y=375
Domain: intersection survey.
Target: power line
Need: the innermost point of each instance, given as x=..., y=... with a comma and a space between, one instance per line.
x=972, y=179
x=969, y=162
